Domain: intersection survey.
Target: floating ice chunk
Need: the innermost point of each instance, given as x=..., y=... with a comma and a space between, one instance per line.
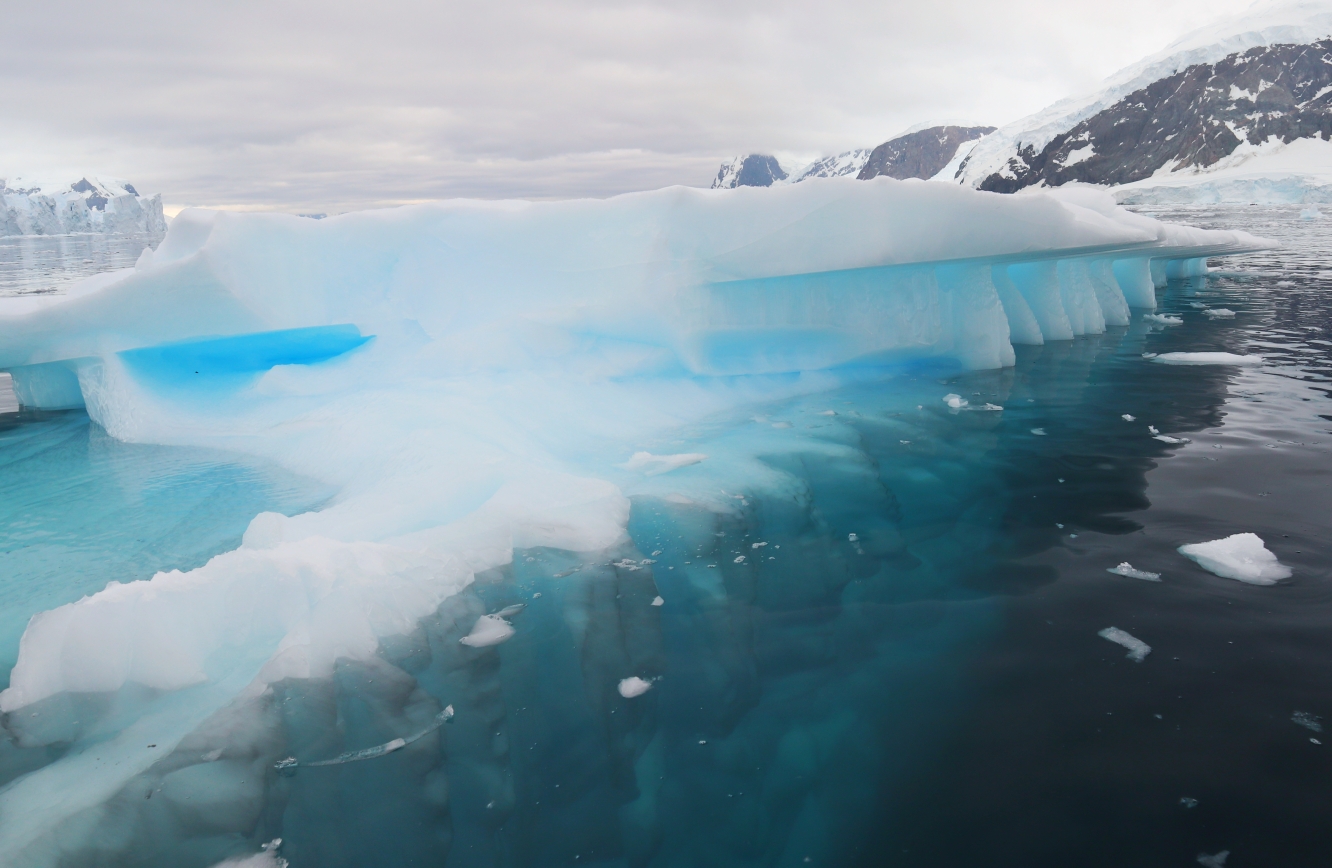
x=1127, y=418
x=655, y=465
x=955, y=402
x=1241, y=556
x=634, y=686
x=1207, y=359
x=739, y=559
x=1138, y=649
x=851, y=537
x=1162, y=319
x=658, y=601
x=488, y=630
x=758, y=545
x=267, y=859
x=1219, y=313
x=1215, y=861
x=1186, y=801
x=1039, y=432
x=1174, y=441
x=1311, y=213
x=1308, y=720
x=1126, y=569
x=1151, y=429
x=1149, y=355
x=1197, y=305
x=991, y=407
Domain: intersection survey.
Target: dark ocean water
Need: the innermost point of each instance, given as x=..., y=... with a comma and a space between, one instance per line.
x=895, y=662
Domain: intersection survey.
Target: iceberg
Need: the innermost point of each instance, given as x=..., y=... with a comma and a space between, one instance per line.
x=88, y=205
x=472, y=378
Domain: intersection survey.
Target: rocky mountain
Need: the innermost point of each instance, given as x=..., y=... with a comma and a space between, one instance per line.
x=1244, y=101
x=751, y=170
x=89, y=204
x=921, y=154
x=915, y=154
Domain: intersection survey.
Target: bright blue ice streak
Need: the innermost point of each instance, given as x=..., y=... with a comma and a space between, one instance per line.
x=240, y=356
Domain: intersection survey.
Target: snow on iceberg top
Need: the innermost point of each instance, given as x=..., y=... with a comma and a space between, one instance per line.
x=1265, y=23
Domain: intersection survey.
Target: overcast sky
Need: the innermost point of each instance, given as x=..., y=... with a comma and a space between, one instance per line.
x=328, y=105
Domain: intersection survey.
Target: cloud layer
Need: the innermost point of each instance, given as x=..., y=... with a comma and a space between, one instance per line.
x=335, y=105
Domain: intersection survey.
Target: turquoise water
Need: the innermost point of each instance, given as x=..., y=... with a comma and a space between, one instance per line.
x=893, y=660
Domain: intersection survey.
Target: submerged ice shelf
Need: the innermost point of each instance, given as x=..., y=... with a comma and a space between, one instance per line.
x=475, y=378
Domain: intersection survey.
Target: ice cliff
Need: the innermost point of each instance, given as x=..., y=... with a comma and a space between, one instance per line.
x=89, y=204
x=471, y=378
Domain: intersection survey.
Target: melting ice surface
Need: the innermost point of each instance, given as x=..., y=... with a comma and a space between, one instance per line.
x=705, y=438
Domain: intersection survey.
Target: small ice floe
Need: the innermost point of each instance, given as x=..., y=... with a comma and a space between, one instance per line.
x=1127, y=570
x=626, y=564
x=758, y=545
x=1241, y=556
x=1151, y=429
x=739, y=559
x=1039, y=432
x=1197, y=305
x=990, y=407
x=1219, y=313
x=1311, y=213
x=1162, y=319
x=1127, y=418
x=487, y=631
x=1217, y=860
x=1138, y=649
x=1149, y=355
x=1309, y=721
x=634, y=686
x=655, y=465
x=1188, y=802
x=955, y=402
x=1207, y=359
x=1174, y=441
x=658, y=601
x=851, y=537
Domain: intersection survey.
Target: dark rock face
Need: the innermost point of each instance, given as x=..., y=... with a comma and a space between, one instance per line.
x=753, y=170
x=919, y=155
x=1192, y=118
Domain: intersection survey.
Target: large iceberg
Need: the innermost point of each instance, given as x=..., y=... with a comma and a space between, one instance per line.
x=471, y=378
x=87, y=205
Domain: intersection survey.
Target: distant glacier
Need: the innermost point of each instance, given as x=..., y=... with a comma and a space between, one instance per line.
x=88, y=205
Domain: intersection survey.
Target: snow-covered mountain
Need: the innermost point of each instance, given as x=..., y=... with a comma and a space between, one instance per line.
x=1238, y=110
x=89, y=204
x=917, y=153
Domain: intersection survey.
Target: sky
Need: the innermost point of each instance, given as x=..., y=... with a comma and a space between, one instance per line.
x=329, y=106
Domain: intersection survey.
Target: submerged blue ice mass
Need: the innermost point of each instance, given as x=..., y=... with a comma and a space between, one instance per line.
x=536, y=369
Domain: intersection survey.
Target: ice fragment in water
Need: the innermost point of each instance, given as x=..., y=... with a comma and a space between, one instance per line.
x=1216, y=861
x=655, y=465
x=1039, y=432
x=1188, y=802
x=828, y=413
x=956, y=402
x=1241, y=556
x=851, y=537
x=1310, y=213
x=634, y=686
x=740, y=559
x=758, y=545
x=1126, y=569
x=1166, y=438
x=267, y=859
x=989, y=406
x=488, y=630
x=658, y=601
x=1219, y=313
x=1197, y=305
x=1127, y=418
x=1151, y=429
x=1307, y=720
x=1138, y=649
x=1207, y=359
x=1162, y=319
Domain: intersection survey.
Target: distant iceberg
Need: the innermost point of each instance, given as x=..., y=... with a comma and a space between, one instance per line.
x=86, y=205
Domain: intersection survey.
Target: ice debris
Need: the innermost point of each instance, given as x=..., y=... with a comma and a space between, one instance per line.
x=1039, y=432
x=287, y=767
x=1308, y=721
x=1219, y=313
x=488, y=630
x=955, y=402
x=634, y=686
x=1188, y=802
x=658, y=601
x=1197, y=305
x=1207, y=359
x=1138, y=649
x=1174, y=441
x=655, y=465
x=1311, y=213
x=1151, y=429
x=1127, y=418
x=1241, y=556
x=1215, y=861
x=1162, y=319
x=269, y=858
x=1127, y=570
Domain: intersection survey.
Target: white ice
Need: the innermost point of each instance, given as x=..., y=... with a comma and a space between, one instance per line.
x=1162, y=319
x=1138, y=649
x=1219, y=313
x=1240, y=556
x=488, y=630
x=634, y=686
x=1207, y=359
x=1127, y=570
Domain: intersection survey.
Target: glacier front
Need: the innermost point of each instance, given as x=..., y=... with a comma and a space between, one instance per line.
x=473, y=378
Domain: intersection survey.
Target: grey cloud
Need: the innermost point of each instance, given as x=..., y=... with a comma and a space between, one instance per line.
x=328, y=106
